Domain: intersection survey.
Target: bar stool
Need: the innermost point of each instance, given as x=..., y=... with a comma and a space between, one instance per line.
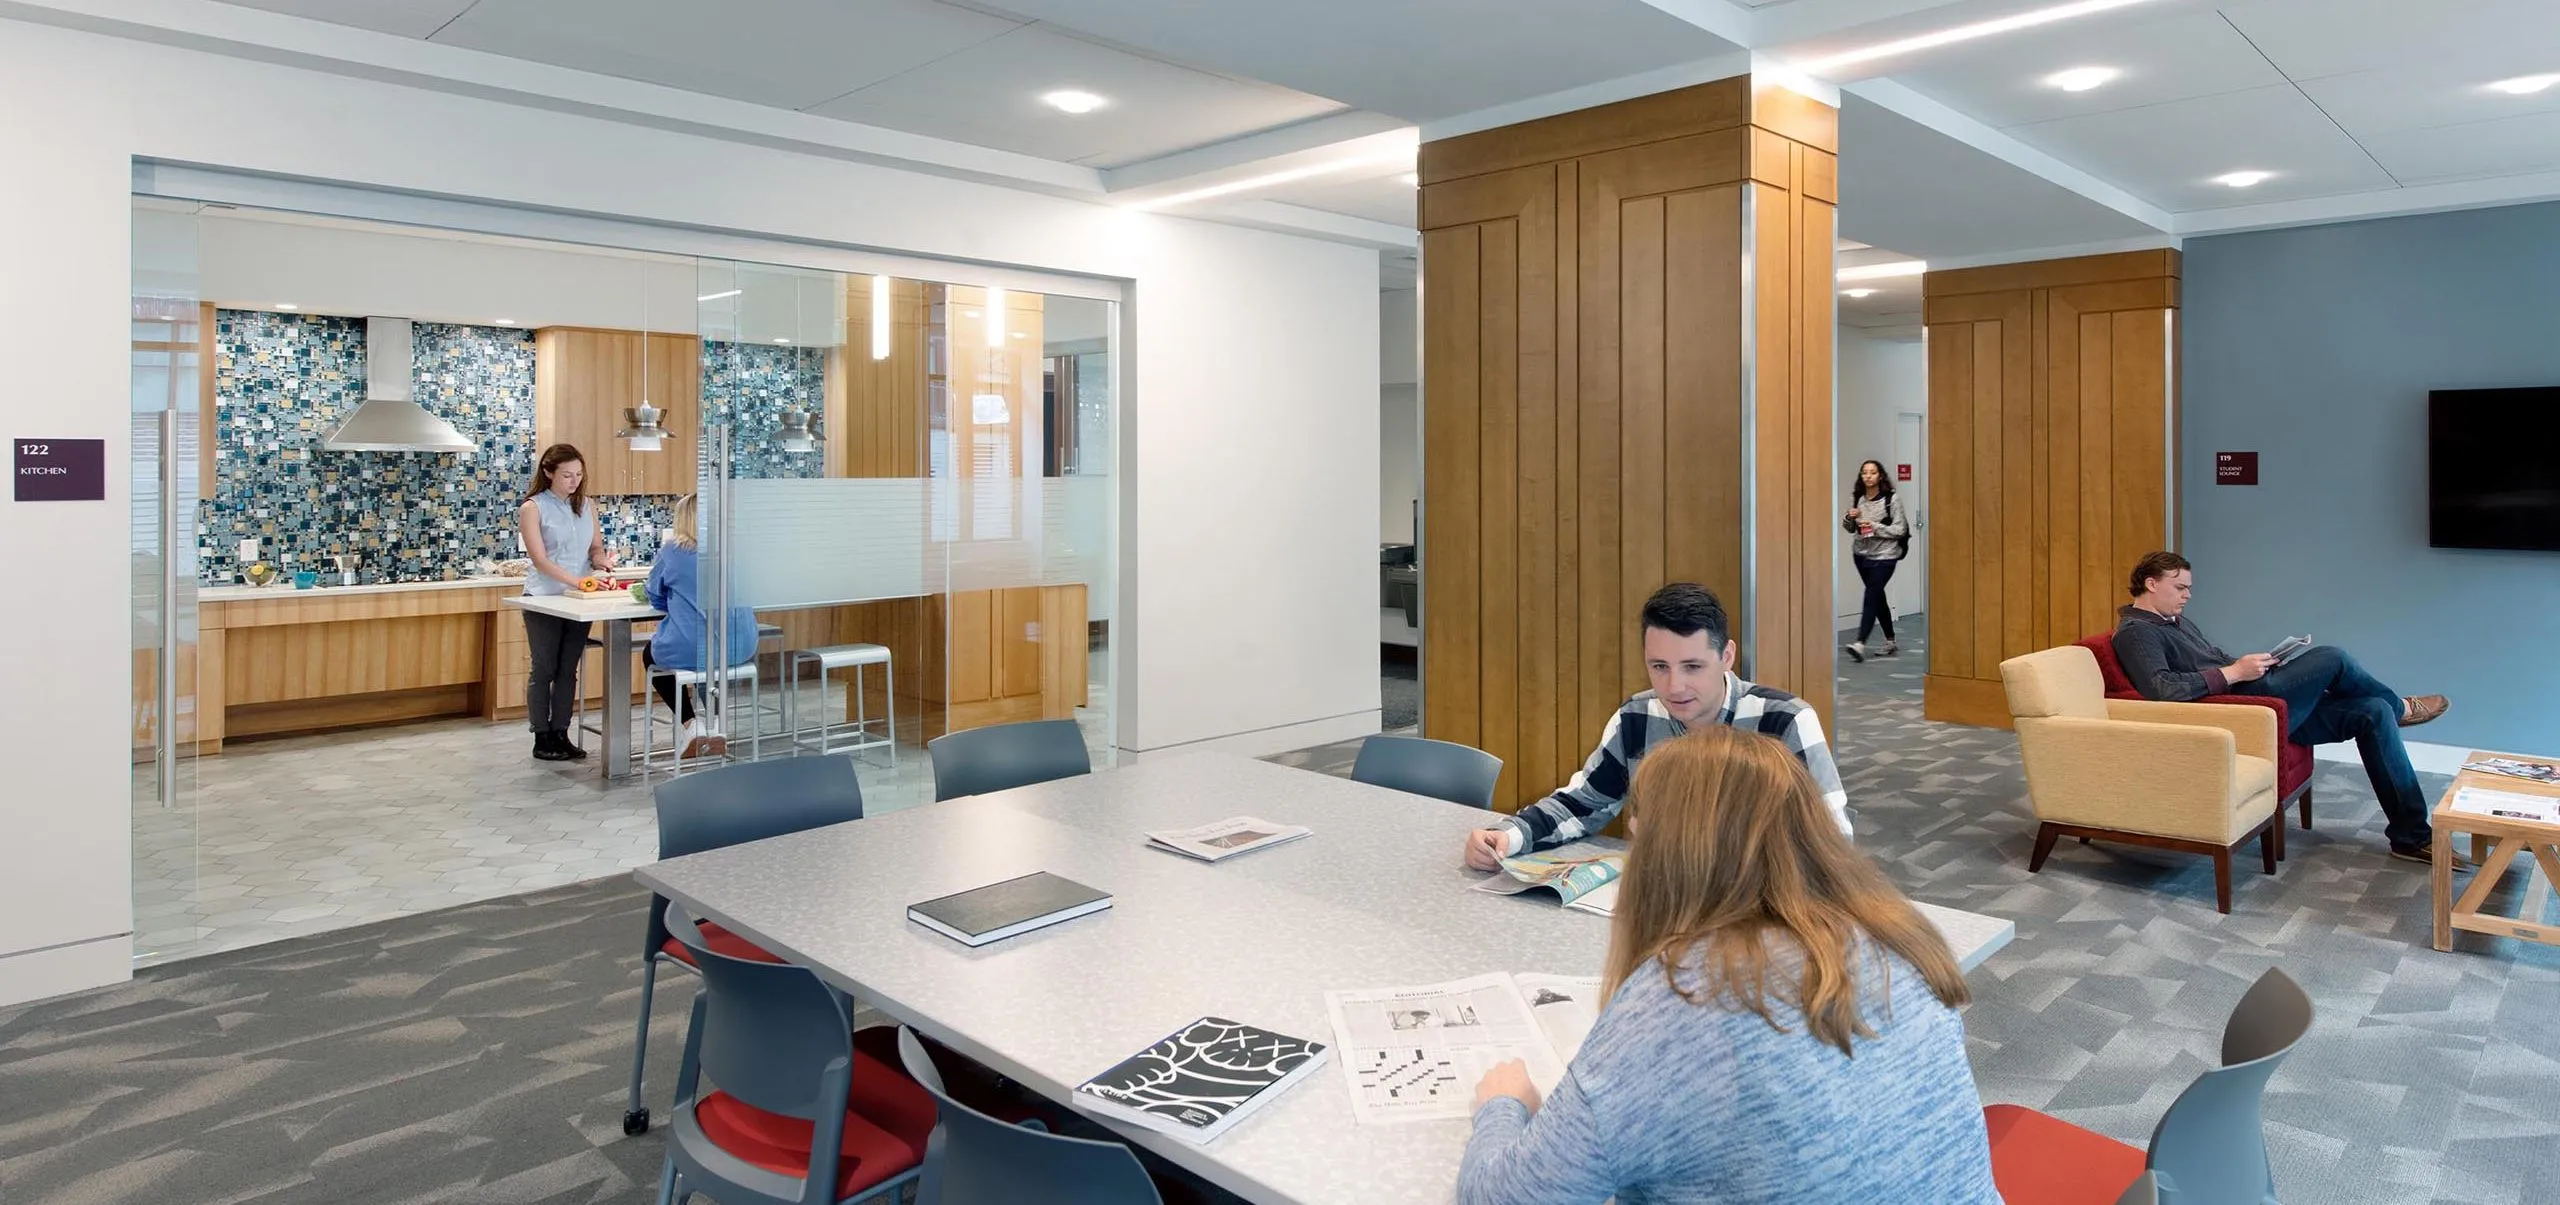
x=687, y=680
x=834, y=657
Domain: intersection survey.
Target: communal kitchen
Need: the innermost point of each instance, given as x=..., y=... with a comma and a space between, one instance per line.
x=903, y=485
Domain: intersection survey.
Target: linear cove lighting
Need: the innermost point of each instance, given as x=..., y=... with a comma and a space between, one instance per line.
x=2243, y=179
x=779, y=339
x=879, y=317
x=1273, y=179
x=1966, y=33
x=505, y=321
x=1857, y=293
x=1900, y=267
x=2525, y=85
x=995, y=317
x=718, y=296
x=2082, y=79
x=286, y=307
x=1069, y=100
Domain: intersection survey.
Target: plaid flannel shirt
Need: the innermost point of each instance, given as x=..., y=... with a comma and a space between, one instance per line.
x=1592, y=799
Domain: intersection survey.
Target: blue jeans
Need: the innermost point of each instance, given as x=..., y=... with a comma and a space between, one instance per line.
x=2328, y=697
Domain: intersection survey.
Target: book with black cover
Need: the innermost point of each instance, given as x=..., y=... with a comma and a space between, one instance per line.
x=1000, y=910
x=1202, y=1079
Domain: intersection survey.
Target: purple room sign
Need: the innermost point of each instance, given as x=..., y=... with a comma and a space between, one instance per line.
x=61, y=470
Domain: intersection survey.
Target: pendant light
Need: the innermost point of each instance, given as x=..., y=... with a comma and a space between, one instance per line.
x=795, y=413
x=642, y=432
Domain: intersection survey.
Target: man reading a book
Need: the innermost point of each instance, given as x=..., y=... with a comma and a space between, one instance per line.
x=2327, y=695
x=1689, y=654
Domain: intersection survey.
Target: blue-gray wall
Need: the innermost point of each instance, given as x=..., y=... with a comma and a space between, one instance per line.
x=2316, y=347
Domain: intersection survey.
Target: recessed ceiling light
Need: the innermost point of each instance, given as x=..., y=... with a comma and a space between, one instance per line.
x=2525, y=85
x=286, y=307
x=1068, y=100
x=1900, y=267
x=1965, y=33
x=2243, y=179
x=2081, y=79
x=1857, y=292
x=1411, y=178
x=506, y=321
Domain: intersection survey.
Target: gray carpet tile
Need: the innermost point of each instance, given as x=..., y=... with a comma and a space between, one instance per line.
x=477, y=1054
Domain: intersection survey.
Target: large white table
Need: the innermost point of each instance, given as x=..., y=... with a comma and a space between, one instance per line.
x=616, y=611
x=1375, y=898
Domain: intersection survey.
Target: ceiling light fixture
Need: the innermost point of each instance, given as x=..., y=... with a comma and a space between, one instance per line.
x=1887, y=271
x=506, y=321
x=780, y=339
x=1271, y=179
x=1857, y=293
x=718, y=296
x=2082, y=79
x=995, y=317
x=879, y=317
x=2525, y=85
x=1069, y=100
x=1412, y=179
x=1966, y=33
x=286, y=307
x=2249, y=179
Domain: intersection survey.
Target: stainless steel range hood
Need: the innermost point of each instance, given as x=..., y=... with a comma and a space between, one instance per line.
x=390, y=419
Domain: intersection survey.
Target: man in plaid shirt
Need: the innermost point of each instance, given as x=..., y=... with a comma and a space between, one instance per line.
x=1689, y=653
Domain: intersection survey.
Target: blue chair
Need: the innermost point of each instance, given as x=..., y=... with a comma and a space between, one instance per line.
x=974, y=1159
x=2210, y=1148
x=731, y=805
x=796, y=1114
x=1004, y=756
x=1439, y=769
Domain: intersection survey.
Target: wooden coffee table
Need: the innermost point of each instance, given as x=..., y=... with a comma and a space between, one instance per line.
x=2508, y=840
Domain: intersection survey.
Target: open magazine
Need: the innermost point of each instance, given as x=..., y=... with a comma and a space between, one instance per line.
x=1585, y=879
x=2507, y=805
x=2289, y=648
x=2512, y=767
x=1219, y=840
x=1416, y=1053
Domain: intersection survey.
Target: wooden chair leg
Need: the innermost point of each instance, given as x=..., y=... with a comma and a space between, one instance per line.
x=2306, y=805
x=2222, y=881
x=2046, y=835
x=2271, y=843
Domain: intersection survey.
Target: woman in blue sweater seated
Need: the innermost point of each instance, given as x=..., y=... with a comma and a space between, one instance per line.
x=678, y=645
x=1781, y=1024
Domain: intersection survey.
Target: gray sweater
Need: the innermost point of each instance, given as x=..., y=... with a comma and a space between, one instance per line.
x=1671, y=1102
x=2168, y=659
x=1891, y=526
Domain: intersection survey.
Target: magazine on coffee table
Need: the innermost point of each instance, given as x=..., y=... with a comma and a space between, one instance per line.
x=2507, y=805
x=1585, y=879
x=1219, y=840
x=2511, y=767
x=1416, y=1053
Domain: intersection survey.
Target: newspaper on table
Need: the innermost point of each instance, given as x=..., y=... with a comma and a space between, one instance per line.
x=2507, y=805
x=1416, y=1053
x=2514, y=767
x=1585, y=879
x=1219, y=840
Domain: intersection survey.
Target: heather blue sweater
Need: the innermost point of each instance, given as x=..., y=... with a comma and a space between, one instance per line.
x=1672, y=1102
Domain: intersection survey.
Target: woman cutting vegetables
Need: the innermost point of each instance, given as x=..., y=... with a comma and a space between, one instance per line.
x=565, y=544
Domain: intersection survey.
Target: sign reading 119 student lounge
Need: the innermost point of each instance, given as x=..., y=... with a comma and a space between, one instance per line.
x=60, y=470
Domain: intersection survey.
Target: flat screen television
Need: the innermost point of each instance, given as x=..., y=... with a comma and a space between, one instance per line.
x=2493, y=468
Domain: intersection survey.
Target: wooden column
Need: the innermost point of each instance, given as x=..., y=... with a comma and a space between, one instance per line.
x=2052, y=458
x=1627, y=323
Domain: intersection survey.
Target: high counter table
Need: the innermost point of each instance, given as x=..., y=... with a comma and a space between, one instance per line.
x=1375, y=898
x=617, y=611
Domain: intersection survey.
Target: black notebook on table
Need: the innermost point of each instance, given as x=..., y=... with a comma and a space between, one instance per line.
x=1000, y=910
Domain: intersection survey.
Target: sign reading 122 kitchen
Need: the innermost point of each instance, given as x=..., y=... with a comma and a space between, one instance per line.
x=60, y=470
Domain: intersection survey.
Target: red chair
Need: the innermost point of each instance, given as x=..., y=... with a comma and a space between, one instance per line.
x=2293, y=761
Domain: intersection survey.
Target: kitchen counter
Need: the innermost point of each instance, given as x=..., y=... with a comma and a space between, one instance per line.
x=286, y=589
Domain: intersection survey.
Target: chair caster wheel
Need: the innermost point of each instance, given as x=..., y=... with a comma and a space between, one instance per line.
x=635, y=1123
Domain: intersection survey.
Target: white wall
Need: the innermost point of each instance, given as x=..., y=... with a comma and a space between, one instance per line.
x=1879, y=379
x=1247, y=577
x=1399, y=415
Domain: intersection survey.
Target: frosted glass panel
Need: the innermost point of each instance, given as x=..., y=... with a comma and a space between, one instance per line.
x=798, y=543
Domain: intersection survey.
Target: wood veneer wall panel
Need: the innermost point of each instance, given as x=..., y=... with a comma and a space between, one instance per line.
x=1453, y=480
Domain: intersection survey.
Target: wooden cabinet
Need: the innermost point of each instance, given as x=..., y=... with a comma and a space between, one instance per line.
x=584, y=379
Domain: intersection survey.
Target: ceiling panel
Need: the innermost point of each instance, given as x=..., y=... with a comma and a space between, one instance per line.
x=788, y=53
x=989, y=95
x=2388, y=101
x=2309, y=39
x=1379, y=196
x=2515, y=146
x=2001, y=80
x=1911, y=188
x=2168, y=154
x=408, y=18
x=1420, y=60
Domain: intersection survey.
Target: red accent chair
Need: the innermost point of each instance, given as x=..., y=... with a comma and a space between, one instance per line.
x=2293, y=761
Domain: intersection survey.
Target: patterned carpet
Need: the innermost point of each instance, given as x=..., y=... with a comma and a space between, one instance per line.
x=478, y=1054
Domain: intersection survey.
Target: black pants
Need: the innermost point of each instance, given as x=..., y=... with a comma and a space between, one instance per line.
x=679, y=701
x=1875, y=573
x=555, y=646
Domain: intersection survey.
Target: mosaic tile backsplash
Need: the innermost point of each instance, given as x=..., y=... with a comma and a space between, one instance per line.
x=284, y=381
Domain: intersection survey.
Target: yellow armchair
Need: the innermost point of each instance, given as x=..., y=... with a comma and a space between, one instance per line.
x=2195, y=777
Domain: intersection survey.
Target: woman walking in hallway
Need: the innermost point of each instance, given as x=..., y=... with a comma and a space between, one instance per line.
x=1882, y=537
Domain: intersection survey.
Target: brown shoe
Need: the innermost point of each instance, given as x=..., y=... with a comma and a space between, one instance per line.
x=2422, y=708
x=2425, y=855
x=706, y=746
